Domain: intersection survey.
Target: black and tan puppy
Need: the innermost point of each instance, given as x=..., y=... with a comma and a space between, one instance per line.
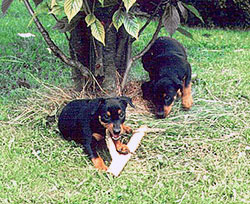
x=85, y=121
x=169, y=72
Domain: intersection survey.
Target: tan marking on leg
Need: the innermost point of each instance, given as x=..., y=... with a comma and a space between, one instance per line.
x=120, y=147
x=99, y=163
x=97, y=136
x=187, y=99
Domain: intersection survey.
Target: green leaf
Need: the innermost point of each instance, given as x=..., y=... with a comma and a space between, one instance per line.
x=128, y=4
x=131, y=25
x=118, y=19
x=72, y=7
x=171, y=20
x=194, y=11
x=56, y=10
x=97, y=30
x=53, y=3
x=5, y=5
x=183, y=10
x=101, y=2
x=89, y=19
x=185, y=32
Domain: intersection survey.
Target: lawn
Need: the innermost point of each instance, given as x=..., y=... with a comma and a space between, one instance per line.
x=196, y=156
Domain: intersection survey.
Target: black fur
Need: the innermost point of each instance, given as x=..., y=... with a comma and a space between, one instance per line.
x=81, y=118
x=168, y=68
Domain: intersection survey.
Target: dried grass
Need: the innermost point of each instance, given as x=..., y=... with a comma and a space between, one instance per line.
x=45, y=103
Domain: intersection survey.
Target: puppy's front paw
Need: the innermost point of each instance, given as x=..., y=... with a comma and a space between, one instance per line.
x=127, y=129
x=123, y=149
x=187, y=102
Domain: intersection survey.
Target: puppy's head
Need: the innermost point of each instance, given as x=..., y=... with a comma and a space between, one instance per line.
x=112, y=113
x=164, y=93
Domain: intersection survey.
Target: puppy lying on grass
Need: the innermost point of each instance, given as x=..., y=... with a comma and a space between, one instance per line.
x=86, y=121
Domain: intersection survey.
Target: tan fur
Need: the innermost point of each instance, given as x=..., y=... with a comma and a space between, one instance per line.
x=99, y=163
x=97, y=136
x=187, y=99
x=120, y=147
x=167, y=109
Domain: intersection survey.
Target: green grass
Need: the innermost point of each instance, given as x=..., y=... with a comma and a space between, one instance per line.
x=199, y=156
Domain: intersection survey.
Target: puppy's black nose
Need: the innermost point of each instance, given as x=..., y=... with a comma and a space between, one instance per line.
x=116, y=131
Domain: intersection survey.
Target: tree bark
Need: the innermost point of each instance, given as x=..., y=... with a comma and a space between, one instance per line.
x=109, y=51
x=122, y=50
x=79, y=44
x=103, y=61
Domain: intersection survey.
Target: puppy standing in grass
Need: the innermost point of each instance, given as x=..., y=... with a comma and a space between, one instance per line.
x=85, y=121
x=169, y=73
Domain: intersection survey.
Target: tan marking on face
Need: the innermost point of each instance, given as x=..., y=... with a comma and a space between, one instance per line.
x=179, y=94
x=119, y=111
x=108, y=113
x=164, y=95
x=105, y=125
x=108, y=126
x=167, y=109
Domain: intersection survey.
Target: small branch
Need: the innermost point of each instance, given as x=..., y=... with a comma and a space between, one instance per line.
x=120, y=160
x=139, y=55
x=129, y=63
x=87, y=6
x=151, y=42
x=54, y=16
x=151, y=17
x=54, y=48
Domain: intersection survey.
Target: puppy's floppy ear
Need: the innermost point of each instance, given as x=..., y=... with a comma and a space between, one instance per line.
x=126, y=100
x=178, y=82
x=95, y=104
x=147, y=89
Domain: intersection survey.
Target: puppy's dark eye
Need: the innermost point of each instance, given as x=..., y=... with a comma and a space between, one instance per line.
x=106, y=117
x=121, y=115
x=167, y=98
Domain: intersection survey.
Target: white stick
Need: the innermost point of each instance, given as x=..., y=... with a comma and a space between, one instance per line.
x=119, y=160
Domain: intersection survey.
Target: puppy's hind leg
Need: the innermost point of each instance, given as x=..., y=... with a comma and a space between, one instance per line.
x=95, y=158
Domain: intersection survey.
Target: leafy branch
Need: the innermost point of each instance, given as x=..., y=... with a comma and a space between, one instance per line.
x=54, y=48
x=139, y=55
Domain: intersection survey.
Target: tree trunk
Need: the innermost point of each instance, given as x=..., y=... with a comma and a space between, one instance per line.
x=109, y=52
x=79, y=45
x=103, y=61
